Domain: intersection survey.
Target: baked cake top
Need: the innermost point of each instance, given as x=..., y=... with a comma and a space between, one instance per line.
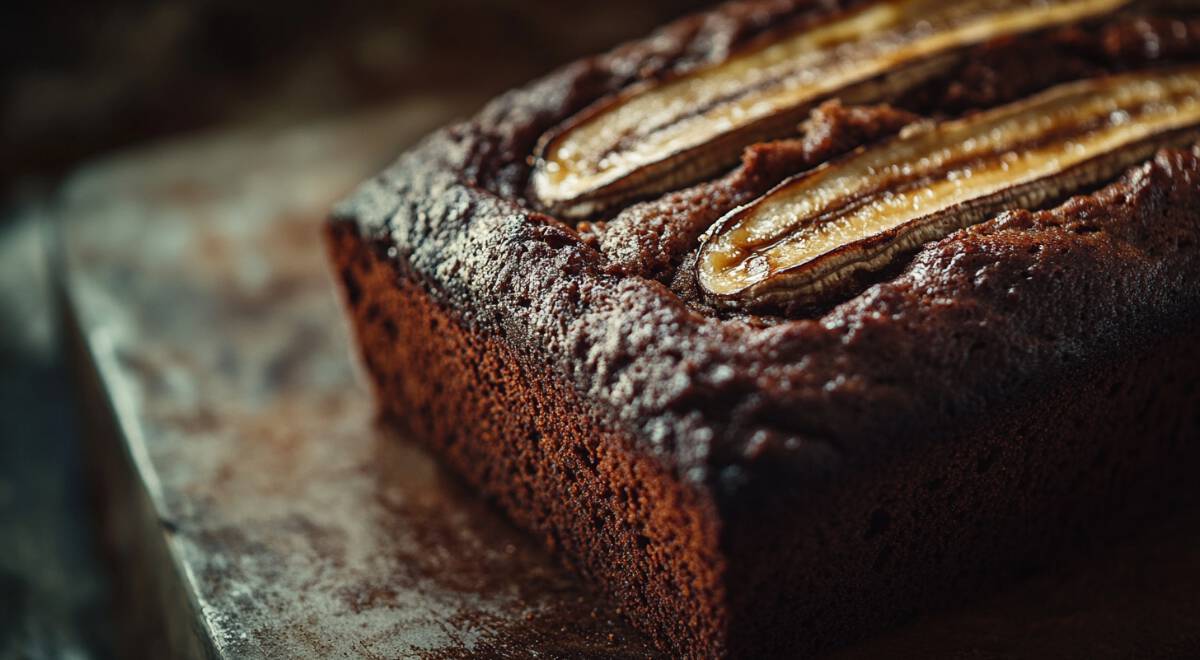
x=790, y=239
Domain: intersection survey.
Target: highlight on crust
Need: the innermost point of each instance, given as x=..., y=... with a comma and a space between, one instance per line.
x=814, y=232
x=665, y=135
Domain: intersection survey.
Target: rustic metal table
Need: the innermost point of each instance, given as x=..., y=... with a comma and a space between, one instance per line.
x=253, y=507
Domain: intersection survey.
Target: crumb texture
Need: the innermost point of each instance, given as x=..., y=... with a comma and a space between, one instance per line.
x=518, y=434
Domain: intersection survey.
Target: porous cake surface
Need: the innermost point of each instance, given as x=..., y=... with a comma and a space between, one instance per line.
x=771, y=482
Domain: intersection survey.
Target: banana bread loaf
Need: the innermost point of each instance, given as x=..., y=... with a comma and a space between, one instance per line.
x=795, y=319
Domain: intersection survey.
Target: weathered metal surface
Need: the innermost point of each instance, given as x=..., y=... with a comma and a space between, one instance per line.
x=198, y=282
x=246, y=478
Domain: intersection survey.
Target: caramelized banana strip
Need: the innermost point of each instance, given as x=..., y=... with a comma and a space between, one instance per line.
x=659, y=137
x=793, y=244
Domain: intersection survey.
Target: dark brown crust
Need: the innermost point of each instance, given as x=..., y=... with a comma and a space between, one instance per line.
x=747, y=416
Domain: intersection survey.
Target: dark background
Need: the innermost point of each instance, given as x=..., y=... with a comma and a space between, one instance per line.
x=79, y=79
x=84, y=77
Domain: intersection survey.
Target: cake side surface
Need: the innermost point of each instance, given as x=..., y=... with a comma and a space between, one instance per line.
x=1078, y=464
x=518, y=433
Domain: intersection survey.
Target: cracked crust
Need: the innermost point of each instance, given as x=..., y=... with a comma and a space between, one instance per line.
x=434, y=210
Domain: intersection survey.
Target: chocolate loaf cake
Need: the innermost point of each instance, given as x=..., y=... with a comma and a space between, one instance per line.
x=795, y=319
